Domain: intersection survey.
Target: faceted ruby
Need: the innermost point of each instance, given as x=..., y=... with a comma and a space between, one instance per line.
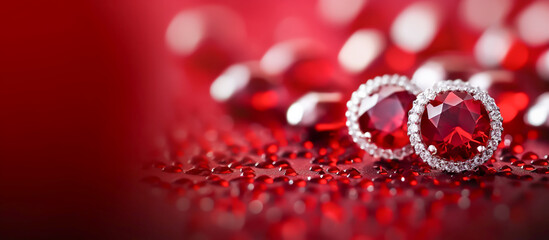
x=456, y=125
x=384, y=115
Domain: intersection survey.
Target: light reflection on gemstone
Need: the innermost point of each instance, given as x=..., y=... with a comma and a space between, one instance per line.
x=456, y=125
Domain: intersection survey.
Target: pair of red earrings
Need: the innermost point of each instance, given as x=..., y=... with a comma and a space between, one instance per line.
x=452, y=126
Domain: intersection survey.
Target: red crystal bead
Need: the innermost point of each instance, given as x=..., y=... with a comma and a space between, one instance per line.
x=456, y=125
x=384, y=115
x=290, y=172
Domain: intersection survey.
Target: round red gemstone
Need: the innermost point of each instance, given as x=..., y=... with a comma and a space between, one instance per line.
x=384, y=115
x=456, y=125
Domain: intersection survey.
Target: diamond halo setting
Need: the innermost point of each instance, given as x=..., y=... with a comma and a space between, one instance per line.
x=365, y=139
x=429, y=154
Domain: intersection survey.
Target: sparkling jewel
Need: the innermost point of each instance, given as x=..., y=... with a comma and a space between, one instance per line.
x=456, y=125
x=384, y=115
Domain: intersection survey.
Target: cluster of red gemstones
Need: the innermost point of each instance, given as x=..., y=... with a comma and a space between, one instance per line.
x=248, y=181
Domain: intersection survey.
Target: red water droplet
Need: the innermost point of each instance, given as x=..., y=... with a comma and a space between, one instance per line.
x=222, y=170
x=325, y=160
x=282, y=163
x=247, y=161
x=528, y=167
x=518, y=163
x=290, y=172
x=281, y=179
x=357, y=159
x=505, y=169
x=264, y=164
x=529, y=156
x=540, y=162
x=345, y=161
x=264, y=179
x=235, y=165
x=315, y=168
x=248, y=174
x=333, y=170
x=382, y=171
x=352, y=173
x=327, y=176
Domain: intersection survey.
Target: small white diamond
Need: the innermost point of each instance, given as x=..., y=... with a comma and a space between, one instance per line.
x=492, y=144
x=413, y=117
x=496, y=134
x=413, y=128
x=418, y=148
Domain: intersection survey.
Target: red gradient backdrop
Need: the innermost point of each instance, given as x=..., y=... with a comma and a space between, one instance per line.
x=80, y=84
